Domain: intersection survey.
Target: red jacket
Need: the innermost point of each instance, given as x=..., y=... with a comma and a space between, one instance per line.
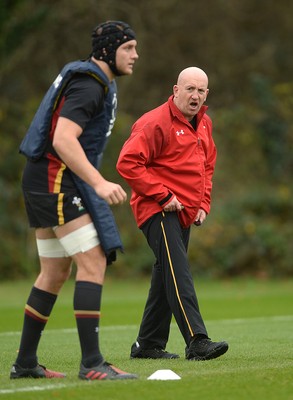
x=164, y=156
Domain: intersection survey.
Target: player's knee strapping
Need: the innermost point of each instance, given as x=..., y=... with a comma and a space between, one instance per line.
x=80, y=240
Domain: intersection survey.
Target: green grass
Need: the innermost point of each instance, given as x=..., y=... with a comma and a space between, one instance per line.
x=255, y=317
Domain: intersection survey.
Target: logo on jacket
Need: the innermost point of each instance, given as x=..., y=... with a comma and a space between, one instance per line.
x=178, y=133
x=57, y=81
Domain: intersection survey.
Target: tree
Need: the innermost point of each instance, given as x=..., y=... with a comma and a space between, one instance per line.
x=244, y=46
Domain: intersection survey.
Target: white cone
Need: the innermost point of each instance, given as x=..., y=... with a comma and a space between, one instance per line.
x=164, y=375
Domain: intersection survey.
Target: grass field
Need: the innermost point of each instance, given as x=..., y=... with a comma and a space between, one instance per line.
x=255, y=317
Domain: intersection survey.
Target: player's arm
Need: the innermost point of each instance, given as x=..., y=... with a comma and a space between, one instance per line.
x=67, y=146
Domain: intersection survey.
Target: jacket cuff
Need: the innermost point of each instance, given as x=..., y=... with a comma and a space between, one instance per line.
x=168, y=197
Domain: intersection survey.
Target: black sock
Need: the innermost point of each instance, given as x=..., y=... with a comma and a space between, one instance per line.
x=87, y=301
x=36, y=313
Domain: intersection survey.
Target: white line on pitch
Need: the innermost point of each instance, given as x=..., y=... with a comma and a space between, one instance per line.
x=236, y=321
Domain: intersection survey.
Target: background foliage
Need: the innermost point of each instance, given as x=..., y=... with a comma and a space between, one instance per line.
x=245, y=46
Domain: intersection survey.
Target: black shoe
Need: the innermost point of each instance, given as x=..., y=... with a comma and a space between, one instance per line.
x=37, y=372
x=138, y=352
x=204, y=349
x=102, y=372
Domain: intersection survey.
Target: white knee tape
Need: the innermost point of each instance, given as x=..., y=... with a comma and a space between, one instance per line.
x=50, y=248
x=81, y=240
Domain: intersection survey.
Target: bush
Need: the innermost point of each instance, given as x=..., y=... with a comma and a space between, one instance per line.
x=249, y=236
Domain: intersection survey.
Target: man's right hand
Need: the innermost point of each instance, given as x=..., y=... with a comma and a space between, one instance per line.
x=173, y=205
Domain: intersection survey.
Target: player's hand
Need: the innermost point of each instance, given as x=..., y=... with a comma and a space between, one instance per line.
x=111, y=192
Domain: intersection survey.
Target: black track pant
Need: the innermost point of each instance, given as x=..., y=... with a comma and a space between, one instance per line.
x=172, y=289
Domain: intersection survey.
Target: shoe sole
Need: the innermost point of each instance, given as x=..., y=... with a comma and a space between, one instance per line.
x=118, y=378
x=217, y=352
x=36, y=376
x=154, y=358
